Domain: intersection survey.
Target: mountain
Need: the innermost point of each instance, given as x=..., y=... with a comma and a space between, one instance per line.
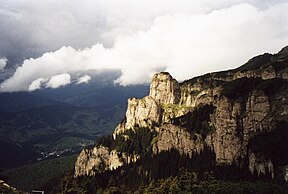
x=228, y=129
x=48, y=123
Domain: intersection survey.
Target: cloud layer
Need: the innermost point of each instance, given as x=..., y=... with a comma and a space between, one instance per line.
x=186, y=39
x=57, y=81
x=37, y=84
x=84, y=79
x=3, y=62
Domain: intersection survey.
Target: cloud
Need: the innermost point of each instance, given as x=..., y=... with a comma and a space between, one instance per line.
x=3, y=62
x=58, y=81
x=214, y=37
x=37, y=84
x=84, y=79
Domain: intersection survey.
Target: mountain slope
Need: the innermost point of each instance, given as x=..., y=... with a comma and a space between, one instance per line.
x=211, y=123
x=49, y=122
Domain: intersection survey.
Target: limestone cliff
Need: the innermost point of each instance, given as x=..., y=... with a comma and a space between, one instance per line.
x=224, y=111
x=99, y=159
x=165, y=89
x=156, y=108
x=96, y=160
x=172, y=136
x=140, y=113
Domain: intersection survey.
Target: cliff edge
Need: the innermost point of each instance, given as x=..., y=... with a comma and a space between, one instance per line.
x=233, y=114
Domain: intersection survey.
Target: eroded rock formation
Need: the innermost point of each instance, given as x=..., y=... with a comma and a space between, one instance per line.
x=165, y=89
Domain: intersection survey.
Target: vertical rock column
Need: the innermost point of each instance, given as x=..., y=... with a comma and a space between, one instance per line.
x=147, y=112
x=165, y=89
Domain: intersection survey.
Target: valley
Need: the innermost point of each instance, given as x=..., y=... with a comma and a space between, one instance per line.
x=44, y=127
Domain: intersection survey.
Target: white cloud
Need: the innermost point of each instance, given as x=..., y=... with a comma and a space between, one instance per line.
x=84, y=79
x=36, y=84
x=184, y=44
x=59, y=80
x=3, y=62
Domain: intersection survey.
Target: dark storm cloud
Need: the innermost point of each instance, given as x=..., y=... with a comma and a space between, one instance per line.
x=137, y=37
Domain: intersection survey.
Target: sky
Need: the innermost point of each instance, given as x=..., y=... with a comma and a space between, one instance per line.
x=44, y=43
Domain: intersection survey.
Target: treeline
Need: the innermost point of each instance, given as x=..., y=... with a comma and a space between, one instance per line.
x=170, y=172
x=151, y=171
x=188, y=182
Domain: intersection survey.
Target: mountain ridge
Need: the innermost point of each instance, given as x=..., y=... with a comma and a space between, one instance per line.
x=234, y=117
x=36, y=124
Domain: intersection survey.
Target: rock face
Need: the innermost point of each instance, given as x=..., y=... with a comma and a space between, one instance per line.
x=143, y=113
x=165, y=89
x=96, y=160
x=241, y=112
x=154, y=109
x=225, y=141
x=171, y=136
x=257, y=108
x=99, y=159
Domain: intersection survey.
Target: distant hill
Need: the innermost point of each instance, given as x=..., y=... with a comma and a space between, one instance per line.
x=32, y=122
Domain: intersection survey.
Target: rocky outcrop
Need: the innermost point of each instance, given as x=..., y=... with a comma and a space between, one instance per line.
x=142, y=113
x=159, y=107
x=97, y=159
x=198, y=93
x=165, y=89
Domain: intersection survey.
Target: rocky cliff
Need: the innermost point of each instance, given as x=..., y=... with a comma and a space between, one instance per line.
x=227, y=112
x=155, y=108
